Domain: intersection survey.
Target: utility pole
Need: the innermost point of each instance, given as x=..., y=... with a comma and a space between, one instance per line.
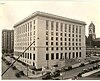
x=17, y=58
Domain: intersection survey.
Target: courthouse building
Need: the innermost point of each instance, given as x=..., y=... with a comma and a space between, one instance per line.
x=7, y=41
x=59, y=38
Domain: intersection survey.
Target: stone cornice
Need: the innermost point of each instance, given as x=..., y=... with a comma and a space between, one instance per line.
x=43, y=14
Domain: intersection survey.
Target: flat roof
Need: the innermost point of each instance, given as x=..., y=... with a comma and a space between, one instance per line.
x=48, y=15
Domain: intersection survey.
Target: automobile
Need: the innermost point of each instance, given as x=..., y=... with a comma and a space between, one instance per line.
x=69, y=67
x=21, y=72
x=8, y=63
x=90, y=69
x=85, y=70
x=82, y=64
x=56, y=73
x=17, y=75
x=91, y=62
x=47, y=76
x=95, y=67
x=14, y=68
x=80, y=74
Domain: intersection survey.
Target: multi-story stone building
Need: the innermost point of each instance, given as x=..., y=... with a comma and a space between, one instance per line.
x=59, y=38
x=7, y=41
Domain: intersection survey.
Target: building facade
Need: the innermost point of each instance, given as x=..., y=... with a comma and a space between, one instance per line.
x=59, y=38
x=7, y=41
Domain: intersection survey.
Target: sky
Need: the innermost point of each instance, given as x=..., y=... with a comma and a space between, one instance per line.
x=12, y=11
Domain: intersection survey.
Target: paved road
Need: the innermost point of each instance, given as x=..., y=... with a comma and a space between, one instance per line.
x=10, y=74
x=67, y=74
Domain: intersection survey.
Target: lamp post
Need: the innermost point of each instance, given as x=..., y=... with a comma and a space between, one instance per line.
x=61, y=75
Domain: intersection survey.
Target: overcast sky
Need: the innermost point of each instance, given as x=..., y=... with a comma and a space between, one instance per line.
x=13, y=11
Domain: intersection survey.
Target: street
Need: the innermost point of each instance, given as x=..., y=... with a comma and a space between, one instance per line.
x=10, y=74
x=65, y=75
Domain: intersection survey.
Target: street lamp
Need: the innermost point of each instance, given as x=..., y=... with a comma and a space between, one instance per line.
x=61, y=75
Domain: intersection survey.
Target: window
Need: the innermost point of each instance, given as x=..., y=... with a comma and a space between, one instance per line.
x=72, y=35
x=47, y=23
x=51, y=33
x=56, y=26
x=80, y=30
x=61, y=43
x=46, y=48
x=69, y=48
x=56, y=38
x=80, y=54
x=47, y=56
x=65, y=55
x=65, y=27
x=61, y=56
x=79, y=44
x=52, y=24
x=51, y=38
x=46, y=38
x=30, y=56
x=65, y=34
x=80, y=40
x=57, y=55
x=73, y=29
x=69, y=55
x=69, y=39
x=65, y=44
x=76, y=29
x=52, y=48
x=61, y=26
x=65, y=39
x=76, y=54
x=69, y=28
x=56, y=48
x=61, y=38
x=52, y=56
x=80, y=48
x=51, y=43
x=56, y=43
x=46, y=43
x=33, y=56
x=56, y=33
x=80, y=36
x=61, y=48
x=69, y=44
x=73, y=39
x=65, y=48
x=76, y=48
x=73, y=48
x=73, y=54
x=46, y=32
x=69, y=35
x=76, y=44
x=61, y=34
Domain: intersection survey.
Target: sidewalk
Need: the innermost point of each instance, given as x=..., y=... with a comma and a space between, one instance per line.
x=91, y=72
x=23, y=68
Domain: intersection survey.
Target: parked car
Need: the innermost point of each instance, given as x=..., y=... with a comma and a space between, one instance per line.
x=80, y=74
x=82, y=64
x=90, y=69
x=69, y=67
x=17, y=75
x=85, y=70
x=21, y=72
x=47, y=76
x=14, y=68
x=8, y=63
x=56, y=73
